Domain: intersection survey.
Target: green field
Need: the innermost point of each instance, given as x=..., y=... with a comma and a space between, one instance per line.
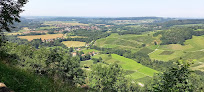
x=74, y=43
x=199, y=30
x=157, y=55
x=15, y=33
x=192, y=50
x=133, y=42
x=134, y=69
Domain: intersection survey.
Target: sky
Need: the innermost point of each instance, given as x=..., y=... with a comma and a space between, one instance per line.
x=116, y=8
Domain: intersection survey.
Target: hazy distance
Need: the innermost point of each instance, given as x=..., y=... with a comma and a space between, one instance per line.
x=116, y=8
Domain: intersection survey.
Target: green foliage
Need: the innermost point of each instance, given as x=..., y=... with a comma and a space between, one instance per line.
x=9, y=13
x=176, y=79
x=92, y=35
x=176, y=35
x=23, y=81
x=85, y=57
x=109, y=77
x=51, y=32
x=37, y=43
x=70, y=69
x=133, y=69
x=71, y=49
x=46, y=61
x=181, y=22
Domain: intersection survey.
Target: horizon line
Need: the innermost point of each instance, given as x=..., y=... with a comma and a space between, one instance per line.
x=118, y=17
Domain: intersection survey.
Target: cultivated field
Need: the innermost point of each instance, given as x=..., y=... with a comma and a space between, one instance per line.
x=134, y=69
x=133, y=42
x=158, y=55
x=17, y=33
x=192, y=50
x=74, y=43
x=195, y=44
x=43, y=37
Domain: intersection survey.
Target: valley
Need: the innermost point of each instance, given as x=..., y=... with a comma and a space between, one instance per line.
x=140, y=50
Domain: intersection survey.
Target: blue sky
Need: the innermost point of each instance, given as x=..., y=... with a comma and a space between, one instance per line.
x=116, y=8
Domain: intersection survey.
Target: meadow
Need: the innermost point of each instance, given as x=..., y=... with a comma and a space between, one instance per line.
x=133, y=69
x=43, y=37
x=74, y=43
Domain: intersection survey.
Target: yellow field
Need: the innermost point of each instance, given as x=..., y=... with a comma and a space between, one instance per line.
x=43, y=37
x=14, y=33
x=74, y=43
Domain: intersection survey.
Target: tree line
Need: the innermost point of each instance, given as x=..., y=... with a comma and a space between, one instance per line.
x=177, y=35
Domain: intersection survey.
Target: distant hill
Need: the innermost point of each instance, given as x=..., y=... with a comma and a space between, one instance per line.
x=181, y=22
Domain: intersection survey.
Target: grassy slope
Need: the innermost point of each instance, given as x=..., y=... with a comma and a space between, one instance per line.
x=129, y=41
x=192, y=45
x=134, y=69
x=192, y=50
x=22, y=81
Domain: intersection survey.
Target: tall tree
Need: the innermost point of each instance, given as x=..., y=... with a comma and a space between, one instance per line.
x=176, y=79
x=109, y=78
x=9, y=13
